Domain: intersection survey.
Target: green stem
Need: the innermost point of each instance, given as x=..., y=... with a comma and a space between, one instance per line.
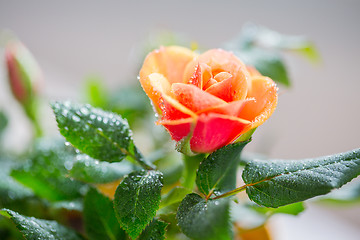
x=242, y=188
x=232, y=192
x=31, y=110
x=191, y=164
x=37, y=129
x=138, y=157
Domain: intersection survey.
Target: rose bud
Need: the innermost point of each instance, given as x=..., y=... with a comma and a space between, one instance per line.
x=23, y=72
x=210, y=99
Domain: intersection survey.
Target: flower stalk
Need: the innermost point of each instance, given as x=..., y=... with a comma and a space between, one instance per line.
x=191, y=164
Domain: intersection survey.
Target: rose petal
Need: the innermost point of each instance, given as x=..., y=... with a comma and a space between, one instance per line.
x=173, y=110
x=222, y=76
x=222, y=61
x=223, y=87
x=196, y=77
x=205, y=73
x=264, y=91
x=178, y=129
x=214, y=131
x=159, y=84
x=167, y=61
x=252, y=71
x=17, y=86
x=231, y=109
x=170, y=108
x=209, y=83
x=193, y=97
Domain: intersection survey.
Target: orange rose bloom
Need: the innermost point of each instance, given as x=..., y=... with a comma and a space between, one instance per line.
x=213, y=98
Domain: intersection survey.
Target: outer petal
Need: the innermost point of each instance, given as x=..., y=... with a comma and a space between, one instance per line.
x=252, y=71
x=194, y=98
x=17, y=86
x=168, y=61
x=173, y=110
x=214, y=131
x=24, y=72
x=264, y=91
x=178, y=129
x=170, y=108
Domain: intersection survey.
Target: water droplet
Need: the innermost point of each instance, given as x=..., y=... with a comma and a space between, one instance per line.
x=75, y=118
x=67, y=103
x=65, y=112
x=68, y=165
x=84, y=110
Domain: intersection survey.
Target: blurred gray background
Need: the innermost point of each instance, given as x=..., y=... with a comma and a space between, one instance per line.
x=319, y=115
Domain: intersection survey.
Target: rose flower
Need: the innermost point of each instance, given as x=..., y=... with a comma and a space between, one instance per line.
x=24, y=72
x=209, y=99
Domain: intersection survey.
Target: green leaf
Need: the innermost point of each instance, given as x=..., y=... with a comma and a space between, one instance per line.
x=10, y=190
x=261, y=47
x=3, y=122
x=8, y=230
x=99, y=217
x=309, y=51
x=251, y=215
x=73, y=205
x=130, y=102
x=204, y=220
x=172, y=230
x=45, y=172
x=291, y=209
x=33, y=228
x=246, y=216
x=176, y=195
x=15, y=196
x=275, y=183
x=269, y=63
x=99, y=134
x=170, y=164
x=250, y=156
x=254, y=36
x=348, y=194
x=154, y=231
x=95, y=91
x=89, y=170
x=270, y=39
x=217, y=173
x=136, y=200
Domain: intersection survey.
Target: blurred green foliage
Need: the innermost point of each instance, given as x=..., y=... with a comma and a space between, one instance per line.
x=262, y=48
x=51, y=180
